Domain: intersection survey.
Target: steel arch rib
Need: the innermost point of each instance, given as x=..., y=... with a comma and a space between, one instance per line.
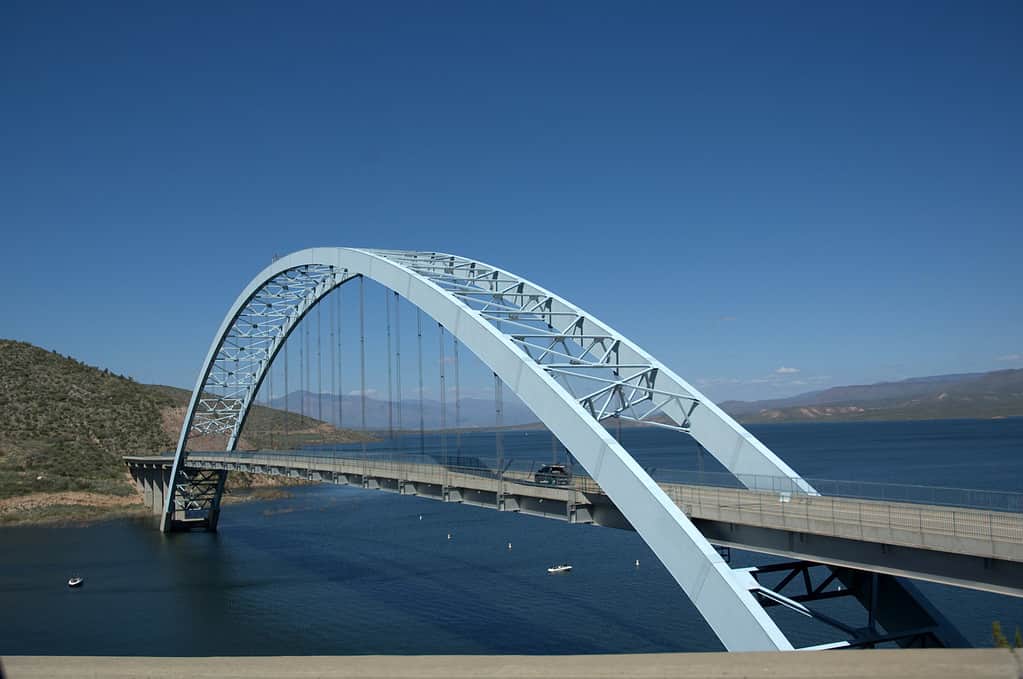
x=728, y=607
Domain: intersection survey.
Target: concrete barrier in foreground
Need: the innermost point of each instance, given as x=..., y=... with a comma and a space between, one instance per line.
x=879, y=664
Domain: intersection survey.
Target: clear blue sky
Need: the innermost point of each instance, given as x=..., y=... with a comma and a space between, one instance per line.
x=740, y=188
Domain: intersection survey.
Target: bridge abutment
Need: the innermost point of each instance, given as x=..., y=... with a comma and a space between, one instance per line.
x=150, y=477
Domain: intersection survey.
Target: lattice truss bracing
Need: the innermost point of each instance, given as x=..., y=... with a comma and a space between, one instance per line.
x=249, y=346
x=588, y=359
x=199, y=491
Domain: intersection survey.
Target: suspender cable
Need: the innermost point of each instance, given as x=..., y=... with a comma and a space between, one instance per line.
x=390, y=378
x=229, y=391
x=341, y=362
x=422, y=422
x=307, y=372
x=499, y=434
x=443, y=399
x=458, y=403
x=270, y=399
x=286, y=407
x=301, y=375
x=397, y=366
x=319, y=364
x=331, y=315
x=362, y=356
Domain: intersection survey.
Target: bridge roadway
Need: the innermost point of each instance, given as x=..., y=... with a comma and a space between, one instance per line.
x=973, y=548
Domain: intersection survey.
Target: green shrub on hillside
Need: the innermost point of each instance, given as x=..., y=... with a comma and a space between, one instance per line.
x=65, y=425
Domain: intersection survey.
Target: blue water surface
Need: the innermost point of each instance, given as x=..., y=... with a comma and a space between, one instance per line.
x=335, y=570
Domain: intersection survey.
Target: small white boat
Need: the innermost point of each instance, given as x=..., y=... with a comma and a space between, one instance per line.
x=562, y=568
x=75, y=582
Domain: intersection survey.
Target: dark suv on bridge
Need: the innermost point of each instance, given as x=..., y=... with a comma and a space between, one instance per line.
x=553, y=474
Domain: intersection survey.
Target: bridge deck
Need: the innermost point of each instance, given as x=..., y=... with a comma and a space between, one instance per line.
x=975, y=548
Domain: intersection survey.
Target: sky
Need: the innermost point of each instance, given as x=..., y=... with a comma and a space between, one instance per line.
x=769, y=197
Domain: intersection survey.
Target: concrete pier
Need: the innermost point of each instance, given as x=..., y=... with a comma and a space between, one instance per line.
x=151, y=476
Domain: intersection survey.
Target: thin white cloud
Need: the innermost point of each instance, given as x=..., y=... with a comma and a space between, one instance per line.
x=356, y=392
x=786, y=371
x=1008, y=358
x=711, y=381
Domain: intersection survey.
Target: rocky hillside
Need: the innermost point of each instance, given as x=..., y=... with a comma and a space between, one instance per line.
x=64, y=425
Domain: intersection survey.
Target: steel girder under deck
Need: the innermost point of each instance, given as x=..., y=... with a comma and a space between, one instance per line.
x=570, y=369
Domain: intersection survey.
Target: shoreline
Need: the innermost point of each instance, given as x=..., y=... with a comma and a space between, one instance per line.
x=80, y=508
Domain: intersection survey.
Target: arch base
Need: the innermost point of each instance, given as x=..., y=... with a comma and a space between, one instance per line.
x=199, y=494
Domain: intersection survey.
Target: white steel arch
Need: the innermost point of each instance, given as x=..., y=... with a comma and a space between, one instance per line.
x=570, y=369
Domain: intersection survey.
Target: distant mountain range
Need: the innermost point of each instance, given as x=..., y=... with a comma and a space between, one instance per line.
x=347, y=411
x=964, y=395
x=967, y=395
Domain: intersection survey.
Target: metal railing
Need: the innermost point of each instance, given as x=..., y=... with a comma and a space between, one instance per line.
x=1001, y=501
x=967, y=498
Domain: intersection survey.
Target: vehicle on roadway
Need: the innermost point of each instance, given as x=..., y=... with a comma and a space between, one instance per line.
x=553, y=474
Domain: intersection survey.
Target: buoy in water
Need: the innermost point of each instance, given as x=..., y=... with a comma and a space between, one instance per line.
x=420, y=517
x=449, y=536
x=509, y=545
x=637, y=562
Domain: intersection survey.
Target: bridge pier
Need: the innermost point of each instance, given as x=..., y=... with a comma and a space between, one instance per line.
x=199, y=493
x=147, y=489
x=157, y=494
x=578, y=513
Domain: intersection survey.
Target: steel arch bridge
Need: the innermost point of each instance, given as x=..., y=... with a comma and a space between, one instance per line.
x=570, y=369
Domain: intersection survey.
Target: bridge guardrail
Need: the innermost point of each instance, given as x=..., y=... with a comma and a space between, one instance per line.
x=967, y=498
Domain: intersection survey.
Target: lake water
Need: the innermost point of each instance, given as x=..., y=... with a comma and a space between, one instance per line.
x=335, y=570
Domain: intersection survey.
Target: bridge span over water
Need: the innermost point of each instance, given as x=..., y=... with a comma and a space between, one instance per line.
x=576, y=374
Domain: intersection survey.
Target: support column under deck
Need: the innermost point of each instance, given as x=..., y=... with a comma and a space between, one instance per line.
x=146, y=477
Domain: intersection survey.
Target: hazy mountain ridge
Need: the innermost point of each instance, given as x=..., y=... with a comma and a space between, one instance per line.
x=347, y=410
x=966, y=395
